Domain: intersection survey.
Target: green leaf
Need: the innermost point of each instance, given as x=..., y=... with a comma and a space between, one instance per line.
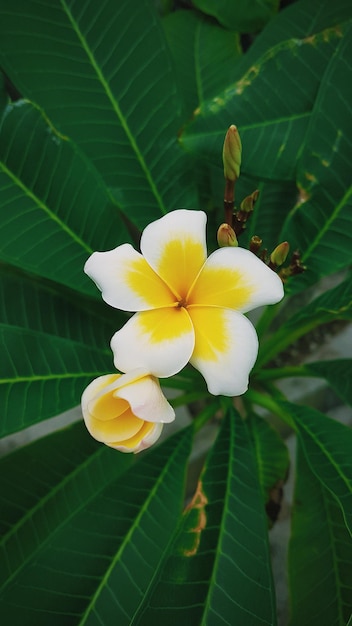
x=219, y=559
x=320, y=554
x=242, y=15
x=86, y=548
x=289, y=128
x=338, y=373
x=55, y=208
x=319, y=224
x=204, y=55
x=273, y=462
x=327, y=446
x=104, y=76
x=3, y=95
x=52, y=347
x=329, y=306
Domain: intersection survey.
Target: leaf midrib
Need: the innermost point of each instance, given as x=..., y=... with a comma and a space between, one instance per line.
x=41, y=205
x=115, y=107
x=142, y=510
x=40, y=504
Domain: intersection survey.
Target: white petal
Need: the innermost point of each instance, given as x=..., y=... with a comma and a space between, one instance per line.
x=126, y=280
x=237, y=279
x=146, y=399
x=175, y=247
x=161, y=341
x=225, y=350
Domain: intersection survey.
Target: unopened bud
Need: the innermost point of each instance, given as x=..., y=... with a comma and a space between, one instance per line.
x=279, y=255
x=247, y=205
x=226, y=236
x=231, y=154
x=255, y=244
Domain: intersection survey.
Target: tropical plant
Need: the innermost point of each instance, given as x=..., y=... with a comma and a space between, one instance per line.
x=112, y=115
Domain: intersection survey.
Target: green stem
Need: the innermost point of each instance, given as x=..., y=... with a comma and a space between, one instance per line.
x=186, y=398
x=267, y=402
x=284, y=338
x=205, y=415
x=283, y=372
x=266, y=318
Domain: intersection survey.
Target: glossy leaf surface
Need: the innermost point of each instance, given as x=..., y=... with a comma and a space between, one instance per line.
x=92, y=533
x=300, y=61
x=204, y=55
x=220, y=555
x=55, y=210
x=52, y=348
x=105, y=80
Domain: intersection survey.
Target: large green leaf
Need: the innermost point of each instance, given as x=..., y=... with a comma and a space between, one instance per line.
x=52, y=346
x=273, y=462
x=282, y=99
x=204, y=55
x=329, y=306
x=54, y=207
x=86, y=547
x=104, y=76
x=338, y=373
x=242, y=15
x=219, y=559
x=327, y=446
x=321, y=221
x=320, y=554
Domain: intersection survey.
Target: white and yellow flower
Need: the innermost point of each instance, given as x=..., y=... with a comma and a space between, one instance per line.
x=188, y=307
x=126, y=411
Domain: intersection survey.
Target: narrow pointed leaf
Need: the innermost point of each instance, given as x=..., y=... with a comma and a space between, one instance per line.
x=55, y=209
x=104, y=76
x=320, y=554
x=101, y=536
x=327, y=445
x=219, y=559
x=273, y=463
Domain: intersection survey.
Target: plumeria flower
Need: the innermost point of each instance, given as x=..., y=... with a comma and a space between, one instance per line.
x=188, y=307
x=126, y=411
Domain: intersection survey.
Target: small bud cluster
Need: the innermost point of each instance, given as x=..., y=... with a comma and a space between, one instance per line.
x=236, y=219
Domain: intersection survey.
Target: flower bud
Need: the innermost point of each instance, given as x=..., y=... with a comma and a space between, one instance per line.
x=279, y=255
x=255, y=244
x=126, y=411
x=231, y=154
x=226, y=236
x=247, y=205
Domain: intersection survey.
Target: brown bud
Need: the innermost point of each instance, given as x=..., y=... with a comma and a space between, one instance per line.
x=226, y=236
x=255, y=244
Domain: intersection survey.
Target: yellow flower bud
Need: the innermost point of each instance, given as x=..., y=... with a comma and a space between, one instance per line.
x=279, y=254
x=231, y=154
x=226, y=236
